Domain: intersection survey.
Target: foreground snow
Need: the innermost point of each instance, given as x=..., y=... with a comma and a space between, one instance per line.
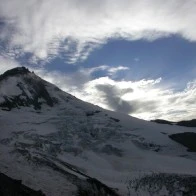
x=112, y=152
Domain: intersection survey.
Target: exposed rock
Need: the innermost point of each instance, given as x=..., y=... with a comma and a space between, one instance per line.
x=11, y=187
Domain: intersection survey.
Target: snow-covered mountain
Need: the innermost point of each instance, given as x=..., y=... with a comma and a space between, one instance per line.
x=61, y=145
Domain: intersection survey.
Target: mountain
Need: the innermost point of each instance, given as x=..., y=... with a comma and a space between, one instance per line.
x=56, y=143
x=20, y=87
x=185, y=123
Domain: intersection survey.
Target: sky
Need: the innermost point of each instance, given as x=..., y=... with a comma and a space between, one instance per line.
x=132, y=56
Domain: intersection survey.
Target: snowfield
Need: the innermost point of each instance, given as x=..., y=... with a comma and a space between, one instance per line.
x=75, y=148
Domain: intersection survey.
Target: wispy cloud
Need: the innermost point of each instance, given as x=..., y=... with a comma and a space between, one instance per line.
x=74, y=28
x=7, y=63
x=110, y=70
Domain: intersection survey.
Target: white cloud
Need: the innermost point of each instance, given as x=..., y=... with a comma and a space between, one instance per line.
x=113, y=70
x=6, y=64
x=146, y=99
x=46, y=28
x=110, y=70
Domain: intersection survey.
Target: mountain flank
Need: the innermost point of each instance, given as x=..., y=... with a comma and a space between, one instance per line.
x=185, y=123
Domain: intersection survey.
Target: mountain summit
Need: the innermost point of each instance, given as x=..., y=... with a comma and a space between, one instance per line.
x=14, y=72
x=20, y=87
x=61, y=145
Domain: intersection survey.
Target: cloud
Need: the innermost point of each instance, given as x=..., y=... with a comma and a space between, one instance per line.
x=110, y=70
x=145, y=99
x=113, y=70
x=7, y=63
x=76, y=80
x=112, y=97
x=74, y=28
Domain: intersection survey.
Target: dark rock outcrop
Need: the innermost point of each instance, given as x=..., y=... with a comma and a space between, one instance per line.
x=11, y=187
x=187, y=139
x=185, y=123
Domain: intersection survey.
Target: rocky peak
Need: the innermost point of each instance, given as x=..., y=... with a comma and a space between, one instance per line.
x=14, y=72
x=21, y=88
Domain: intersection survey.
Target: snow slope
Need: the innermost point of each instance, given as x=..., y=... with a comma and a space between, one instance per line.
x=68, y=147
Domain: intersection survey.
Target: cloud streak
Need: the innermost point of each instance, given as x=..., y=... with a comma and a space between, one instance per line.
x=73, y=28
